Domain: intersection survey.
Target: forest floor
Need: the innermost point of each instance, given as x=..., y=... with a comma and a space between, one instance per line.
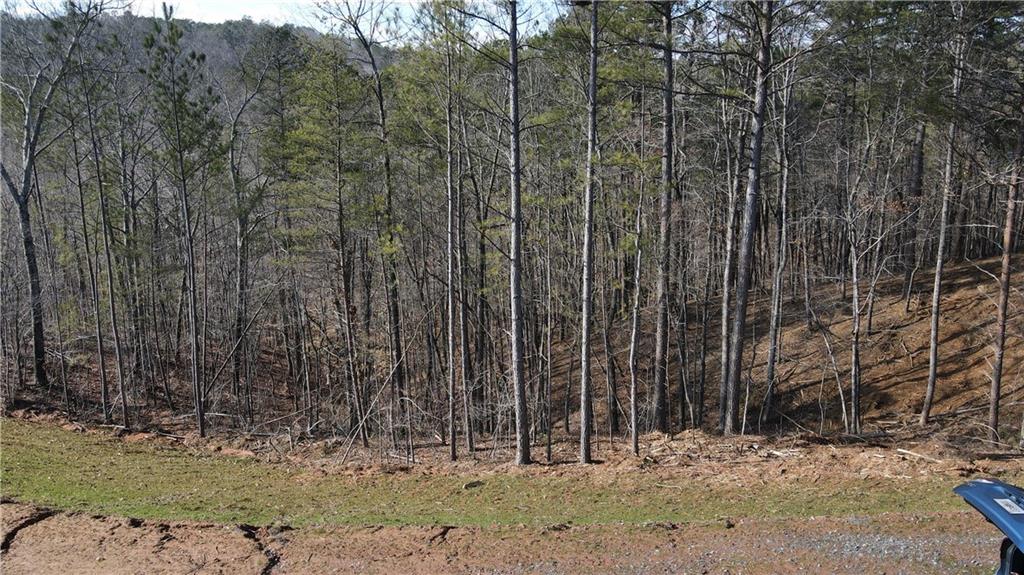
x=83, y=499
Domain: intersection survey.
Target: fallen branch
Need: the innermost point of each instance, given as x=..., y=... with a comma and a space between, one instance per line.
x=925, y=457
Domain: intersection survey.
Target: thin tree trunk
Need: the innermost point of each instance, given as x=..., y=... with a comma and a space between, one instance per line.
x=750, y=213
x=586, y=410
x=727, y=271
x=705, y=317
x=93, y=284
x=548, y=336
x=855, y=380
x=346, y=313
x=634, y=331
x=1004, y=296
x=389, y=235
x=522, y=423
x=940, y=251
x=118, y=352
x=464, y=311
x=450, y=288
x=112, y=292
x=781, y=251
x=51, y=266
x=912, y=203
x=241, y=249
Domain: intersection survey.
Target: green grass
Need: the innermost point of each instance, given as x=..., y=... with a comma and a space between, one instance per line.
x=95, y=473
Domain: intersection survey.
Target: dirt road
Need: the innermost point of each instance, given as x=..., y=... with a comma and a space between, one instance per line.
x=40, y=541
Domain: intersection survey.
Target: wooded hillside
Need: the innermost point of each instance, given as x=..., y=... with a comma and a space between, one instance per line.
x=495, y=220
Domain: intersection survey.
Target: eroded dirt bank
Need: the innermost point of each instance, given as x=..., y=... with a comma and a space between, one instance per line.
x=41, y=541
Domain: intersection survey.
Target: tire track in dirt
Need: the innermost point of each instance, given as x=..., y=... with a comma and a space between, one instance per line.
x=253, y=534
x=84, y=544
x=43, y=541
x=35, y=517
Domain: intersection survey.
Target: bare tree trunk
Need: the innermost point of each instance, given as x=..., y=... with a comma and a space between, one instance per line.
x=876, y=268
x=634, y=331
x=661, y=409
x=464, y=311
x=1004, y=295
x=686, y=400
x=912, y=203
x=805, y=277
x=548, y=336
x=744, y=270
x=516, y=246
x=940, y=251
x=112, y=292
x=93, y=283
x=388, y=235
x=471, y=367
x=21, y=199
x=587, y=295
x=705, y=316
x=345, y=312
x=198, y=386
x=611, y=366
x=52, y=268
x=727, y=269
x=450, y=288
x=855, y=392
x=118, y=352
x=241, y=251
x=193, y=312
x=781, y=251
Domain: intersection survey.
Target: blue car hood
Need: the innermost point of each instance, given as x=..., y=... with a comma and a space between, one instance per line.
x=1001, y=503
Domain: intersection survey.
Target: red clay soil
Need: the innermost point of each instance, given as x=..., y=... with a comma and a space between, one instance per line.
x=41, y=542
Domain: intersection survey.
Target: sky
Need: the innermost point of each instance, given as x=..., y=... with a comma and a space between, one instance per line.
x=298, y=12
x=274, y=11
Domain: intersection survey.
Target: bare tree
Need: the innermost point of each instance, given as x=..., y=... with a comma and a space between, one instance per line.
x=93, y=273
x=912, y=201
x=763, y=32
x=959, y=48
x=241, y=185
x=1012, y=193
x=452, y=254
x=516, y=243
x=366, y=20
x=634, y=330
x=661, y=409
x=189, y=133
x=586, y=409
x=34, y=91
x=97, y=155
x=782, y=239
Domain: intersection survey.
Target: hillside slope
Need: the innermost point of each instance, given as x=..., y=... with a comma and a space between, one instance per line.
x=894, y=362
x=894, y=355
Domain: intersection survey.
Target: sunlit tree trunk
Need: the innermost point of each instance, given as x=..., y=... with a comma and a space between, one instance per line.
x=522, y=423
x=586, y=409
